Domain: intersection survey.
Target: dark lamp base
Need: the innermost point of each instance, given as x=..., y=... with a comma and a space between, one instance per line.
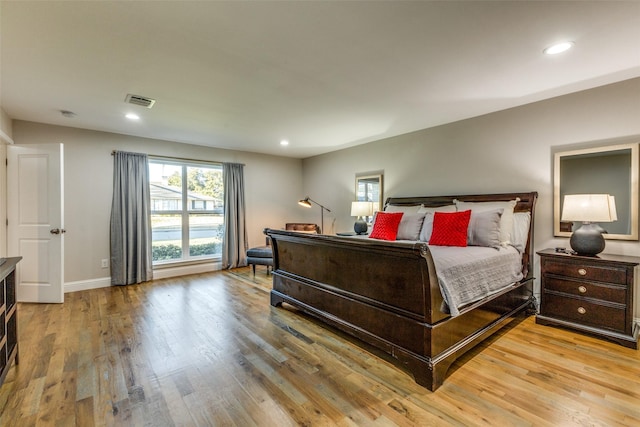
x=360, y=227
x=587, y=240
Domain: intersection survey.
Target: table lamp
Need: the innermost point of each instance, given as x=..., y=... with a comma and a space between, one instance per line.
x=360, y=210
x=589, y=209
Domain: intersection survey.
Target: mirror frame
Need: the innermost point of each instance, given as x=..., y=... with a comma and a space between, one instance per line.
x=633, y=235
x=369, y=176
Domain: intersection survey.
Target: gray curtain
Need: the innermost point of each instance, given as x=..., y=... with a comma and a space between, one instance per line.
x=130, y=220
x=234, y=246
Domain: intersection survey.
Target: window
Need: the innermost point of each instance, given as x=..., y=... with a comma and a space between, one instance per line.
x=187, y=221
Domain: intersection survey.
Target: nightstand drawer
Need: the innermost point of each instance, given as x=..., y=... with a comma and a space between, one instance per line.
x=617, y=294
x=585, y=271
x=584, y=312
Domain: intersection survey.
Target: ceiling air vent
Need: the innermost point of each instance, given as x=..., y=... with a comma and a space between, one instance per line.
x=142, y=101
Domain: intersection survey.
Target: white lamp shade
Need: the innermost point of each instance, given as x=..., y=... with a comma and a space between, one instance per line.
x=612, y=208
x=589, y=208
x=361, y=208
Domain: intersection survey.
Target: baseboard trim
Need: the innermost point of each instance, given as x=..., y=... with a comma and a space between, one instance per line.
x=163, y=273
x=167, y=272
x=83, y=285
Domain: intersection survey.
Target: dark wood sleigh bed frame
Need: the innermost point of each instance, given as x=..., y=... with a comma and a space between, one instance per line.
x=387, y=294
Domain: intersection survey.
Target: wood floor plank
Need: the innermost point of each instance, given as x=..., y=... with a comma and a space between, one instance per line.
x=209, y=350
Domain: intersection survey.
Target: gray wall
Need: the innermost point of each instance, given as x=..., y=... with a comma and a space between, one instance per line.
x=506, y=151
x=273, y=186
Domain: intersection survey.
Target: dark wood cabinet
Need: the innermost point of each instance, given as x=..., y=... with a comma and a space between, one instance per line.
x=589, y=294
x=8, y=316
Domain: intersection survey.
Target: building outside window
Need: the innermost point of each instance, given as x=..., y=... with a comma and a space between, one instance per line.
x=187, y=217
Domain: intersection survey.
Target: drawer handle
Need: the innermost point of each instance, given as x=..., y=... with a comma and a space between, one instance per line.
x=582, y=272
x=582, y=310
x=582, y=289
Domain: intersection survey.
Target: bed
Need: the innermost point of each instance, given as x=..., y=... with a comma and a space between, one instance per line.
x=388, y=293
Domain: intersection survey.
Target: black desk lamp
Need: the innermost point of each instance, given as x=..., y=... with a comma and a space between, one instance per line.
x=306, y=202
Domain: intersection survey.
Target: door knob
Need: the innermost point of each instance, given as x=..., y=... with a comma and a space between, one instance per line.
x=57, y=231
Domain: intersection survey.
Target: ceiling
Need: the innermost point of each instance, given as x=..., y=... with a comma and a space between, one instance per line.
x=323, y=75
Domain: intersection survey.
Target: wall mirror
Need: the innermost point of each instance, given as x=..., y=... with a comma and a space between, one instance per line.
x=369, y=189
x=602, y=170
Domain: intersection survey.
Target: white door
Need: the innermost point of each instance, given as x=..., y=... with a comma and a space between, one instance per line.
x=36, y=222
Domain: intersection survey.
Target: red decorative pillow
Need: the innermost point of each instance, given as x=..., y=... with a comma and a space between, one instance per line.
x=450, y=228
x=386, y=225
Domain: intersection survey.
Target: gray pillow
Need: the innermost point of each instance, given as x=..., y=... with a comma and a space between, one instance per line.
x=427, y=227
x=410, y=225
x=484, y=228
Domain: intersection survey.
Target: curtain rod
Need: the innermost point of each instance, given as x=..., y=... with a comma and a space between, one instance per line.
x=184, y=159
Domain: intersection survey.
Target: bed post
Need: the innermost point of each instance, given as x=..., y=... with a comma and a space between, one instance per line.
x=435, y=302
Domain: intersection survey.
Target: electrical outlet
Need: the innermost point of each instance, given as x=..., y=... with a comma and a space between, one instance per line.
x=105, y=263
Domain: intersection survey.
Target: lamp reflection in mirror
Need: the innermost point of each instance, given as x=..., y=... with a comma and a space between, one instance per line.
x=588, y=209
x=306, y=202
x=360, y=210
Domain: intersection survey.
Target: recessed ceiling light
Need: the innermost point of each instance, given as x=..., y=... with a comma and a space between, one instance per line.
x=132, y=116
x=284, y=142
x=558, y=48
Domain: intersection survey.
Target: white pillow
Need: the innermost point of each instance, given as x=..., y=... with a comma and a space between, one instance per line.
x=446, y=208
x=521, y=221
x=506, y=220
x=427, y=224
x=404, y=209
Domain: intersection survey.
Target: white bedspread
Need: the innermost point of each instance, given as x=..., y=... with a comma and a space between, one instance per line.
x=469, y=274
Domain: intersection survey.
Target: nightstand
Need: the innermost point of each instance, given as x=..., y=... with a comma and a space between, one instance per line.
x=589, y=294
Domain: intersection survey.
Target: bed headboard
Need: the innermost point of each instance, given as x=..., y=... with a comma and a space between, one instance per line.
x=526, y=203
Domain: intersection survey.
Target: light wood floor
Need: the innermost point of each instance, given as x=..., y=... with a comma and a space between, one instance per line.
x=209, y=350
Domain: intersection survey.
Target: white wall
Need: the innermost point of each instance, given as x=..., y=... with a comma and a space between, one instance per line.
x=6, y=124
x=5, y=139
x=506, y=151
x=273, y=186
